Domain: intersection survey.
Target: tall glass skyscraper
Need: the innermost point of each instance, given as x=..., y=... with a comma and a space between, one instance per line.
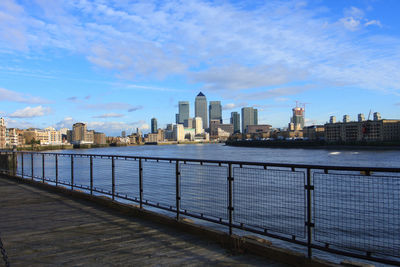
x=249, y=117
x=183, y=111
x=235, y=120
x=153, y=125
x=215, y=111
x=200, y=108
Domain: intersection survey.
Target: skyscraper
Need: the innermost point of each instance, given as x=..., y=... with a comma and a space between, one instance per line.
x=183, y=111
x=215, y=111
x=235, y=120
x=153, y=125
x=298, y=118
x=200, y=108
x=249, y=117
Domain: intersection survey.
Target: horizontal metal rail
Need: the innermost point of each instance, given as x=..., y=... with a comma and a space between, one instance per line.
x=328, y=208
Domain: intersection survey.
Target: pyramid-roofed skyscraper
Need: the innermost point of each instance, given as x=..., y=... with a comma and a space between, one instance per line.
x=200, y=108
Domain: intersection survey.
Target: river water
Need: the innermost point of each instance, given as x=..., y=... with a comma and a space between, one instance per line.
x=350, y=210
x=366, y=158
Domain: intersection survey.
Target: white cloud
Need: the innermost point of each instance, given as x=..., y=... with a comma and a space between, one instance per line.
x=109, y=115
x=8, y=95
x=231, y=106
x=67, y=122
x=112, y=106
x=197, y=38
x=30, y=112
x=373, y=22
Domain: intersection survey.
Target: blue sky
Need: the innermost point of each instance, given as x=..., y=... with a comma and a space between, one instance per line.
x=116, y=64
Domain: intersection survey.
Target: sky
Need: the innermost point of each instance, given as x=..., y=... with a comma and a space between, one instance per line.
x=116, y=64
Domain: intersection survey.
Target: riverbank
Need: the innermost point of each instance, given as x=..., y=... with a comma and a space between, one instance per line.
x=301, y=144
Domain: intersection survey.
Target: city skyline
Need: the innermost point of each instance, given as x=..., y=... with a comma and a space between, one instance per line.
x=60, y=63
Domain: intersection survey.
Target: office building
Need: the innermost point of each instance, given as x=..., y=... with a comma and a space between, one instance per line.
x=123, y=134
x=249, y=117
x=215, y=111
x=314, y=132
x=183, y=111
x=200, y=105
x=235, y=121
x=154, y=125
x=188, y=123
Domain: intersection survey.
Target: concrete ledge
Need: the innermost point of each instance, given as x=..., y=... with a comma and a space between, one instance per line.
x=237, y=244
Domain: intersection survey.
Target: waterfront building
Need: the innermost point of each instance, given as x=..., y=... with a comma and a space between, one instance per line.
x=297, y=119
x=235, y=121
x=220, y=131
x=361, y=117
x=154, y=125
x=200, y=104
x=314, y=132
x=178, y=132
x=346, y=118
x=183, y=111
x=2, y=134
x=198, y=125
x=215, y=111
x=100, y=138
x=11, y=137
x=80, y=134
x=332, y=119
x=189, y=134
x=260, y=128
x=249, y=117
x=357, y=131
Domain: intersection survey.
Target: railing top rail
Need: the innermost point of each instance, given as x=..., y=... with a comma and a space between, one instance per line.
x=233, y=162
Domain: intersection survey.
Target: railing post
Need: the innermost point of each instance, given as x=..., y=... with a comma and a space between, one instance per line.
x=56, y=170
x=32, y=165
x=72, y=172
x=91, y=175
x=42, y=168
x=22, y=164
x=141, y=183
x=309, y=223
x=230, y=197
x=113, y=177
x=178, y=197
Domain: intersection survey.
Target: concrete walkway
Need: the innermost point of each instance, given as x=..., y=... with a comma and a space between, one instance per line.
x=40, y=228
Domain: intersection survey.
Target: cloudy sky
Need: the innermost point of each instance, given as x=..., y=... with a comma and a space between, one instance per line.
x=116, y=64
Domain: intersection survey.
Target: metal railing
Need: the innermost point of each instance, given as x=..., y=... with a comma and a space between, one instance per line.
x=351, y=211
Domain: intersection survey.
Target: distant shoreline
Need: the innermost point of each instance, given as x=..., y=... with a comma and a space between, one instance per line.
x=296, y=144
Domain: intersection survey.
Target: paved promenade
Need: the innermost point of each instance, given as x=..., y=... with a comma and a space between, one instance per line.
x=40, y=228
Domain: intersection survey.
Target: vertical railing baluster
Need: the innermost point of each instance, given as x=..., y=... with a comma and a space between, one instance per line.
x=309, y=223
x=72, y=172
x=91, y=175
x=42, y=168
x=22, y=164
x=230, y=196
x=32, y=166
x=56, y=170
x=141, y=183
x=177, y=193
x=113, y=177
